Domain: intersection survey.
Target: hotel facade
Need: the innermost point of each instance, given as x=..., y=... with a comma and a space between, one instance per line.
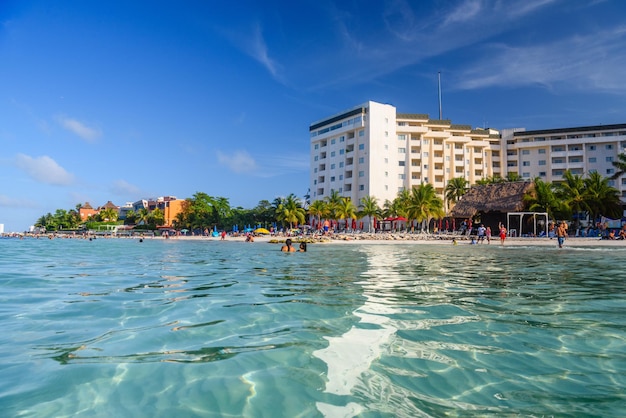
x=372, y=150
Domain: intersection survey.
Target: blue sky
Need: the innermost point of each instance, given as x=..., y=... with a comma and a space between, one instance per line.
x=124, y=100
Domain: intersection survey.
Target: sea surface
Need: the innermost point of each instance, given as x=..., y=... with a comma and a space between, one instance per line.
x=175, y=328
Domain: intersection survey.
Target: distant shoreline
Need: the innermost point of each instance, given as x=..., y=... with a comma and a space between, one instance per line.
x=378, y=239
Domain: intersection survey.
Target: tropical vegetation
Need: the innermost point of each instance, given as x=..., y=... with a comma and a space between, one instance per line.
x=572, y=198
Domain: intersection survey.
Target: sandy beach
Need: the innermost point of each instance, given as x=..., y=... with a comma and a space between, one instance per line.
x=428, y=239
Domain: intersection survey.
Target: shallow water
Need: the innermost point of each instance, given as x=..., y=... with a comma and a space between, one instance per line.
x=168, y=328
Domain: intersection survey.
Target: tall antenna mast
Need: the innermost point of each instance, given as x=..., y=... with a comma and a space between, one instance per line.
x=439, y=84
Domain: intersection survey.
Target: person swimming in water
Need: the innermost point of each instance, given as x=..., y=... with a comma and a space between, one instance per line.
x=288, y=248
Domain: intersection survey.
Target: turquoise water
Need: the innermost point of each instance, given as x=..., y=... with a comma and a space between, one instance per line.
x=168, y=328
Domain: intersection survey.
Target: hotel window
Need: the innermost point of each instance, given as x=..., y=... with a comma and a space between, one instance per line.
x=361, y=187
x=315, y=158
x=526, y=163
x=361, y=173
x=542, y=174
x=611, y=183
x=386, y=160
x=340, y=177
x=525, y=175
x=402, y=150
x=592, y=159
x=386, y=147
x=425, y=154
x=401, y=176
x=592, y=147
x=361, y=146
x=386, y=174
x=401, y=163
x=447, y=158
x=341, y=164
x=425, y=166
x=361, y=133
x=361, y=160
x=332, y=166
x=542, y=162
x=315, y=170
x=609, y=159
x=610, y=170
x=332, y=141
x=332, y=153
x=316, y=146
x=386, y=134
x=342, y=151
x=342, y=138
x=608, y=146
x=332, y=178
x=425, y=141
x=525, y=152
x=541, y=151
x=402, y=137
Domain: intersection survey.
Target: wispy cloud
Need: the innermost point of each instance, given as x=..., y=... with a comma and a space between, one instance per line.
x=123, y=188
x=241, y=162
x=238, y=161
x=79, y=128
x=466, y=11
x=44, y=170
x=9, y=202
x=593, y=61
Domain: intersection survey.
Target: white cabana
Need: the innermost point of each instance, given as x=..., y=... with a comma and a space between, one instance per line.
x=543, y=218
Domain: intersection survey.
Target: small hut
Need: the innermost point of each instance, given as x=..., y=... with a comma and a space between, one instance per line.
x=492, y=202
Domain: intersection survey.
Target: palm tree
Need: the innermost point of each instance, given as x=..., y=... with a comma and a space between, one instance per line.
x=143, y=216
x=109, y=214
x=543, y=199
x=346, y=210
x=333, y=202
x=318, y=209
x=369, y=207
x=513, y=176
x=602, y=199
x=424, y=204
x=158, y=217
x=571, y=191
x=455, y=189
x=620, y=165
x=291, y=211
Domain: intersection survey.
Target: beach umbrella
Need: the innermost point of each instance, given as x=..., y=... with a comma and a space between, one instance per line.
x=261, y=231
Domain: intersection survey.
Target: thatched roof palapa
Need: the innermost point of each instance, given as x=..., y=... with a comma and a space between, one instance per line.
x=499, y=197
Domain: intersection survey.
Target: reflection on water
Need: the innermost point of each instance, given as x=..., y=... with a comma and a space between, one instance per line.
x=179, y=328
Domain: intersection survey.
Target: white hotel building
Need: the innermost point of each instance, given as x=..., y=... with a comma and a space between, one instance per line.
x=373, y=150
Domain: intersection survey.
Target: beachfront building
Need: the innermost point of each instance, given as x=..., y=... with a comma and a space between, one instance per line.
x=372, y=150
x=169, y=205
x=548, y=153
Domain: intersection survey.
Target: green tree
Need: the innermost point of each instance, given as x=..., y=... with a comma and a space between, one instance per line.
x=620, y=165
x=602, y=199
x=571, y=192
x=424, y=205
x=291, y=211
x=346, y=210
x=369, y=208
x=543, y=199
x=455, y=189
x=318, y=210
x=109, y=214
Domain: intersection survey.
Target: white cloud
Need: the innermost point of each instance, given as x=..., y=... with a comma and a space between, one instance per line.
x=9, y=202
x=258, y=51
x=264, y=165
x=123, y=188
x=79, y=128
x=44, y=170
x=466, y=11
x=238, y=161
x=584, y=62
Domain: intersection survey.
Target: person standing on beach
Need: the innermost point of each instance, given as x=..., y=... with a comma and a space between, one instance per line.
x=481, y=233
x=502, y=233
x=561, y=233
x=488, y=234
